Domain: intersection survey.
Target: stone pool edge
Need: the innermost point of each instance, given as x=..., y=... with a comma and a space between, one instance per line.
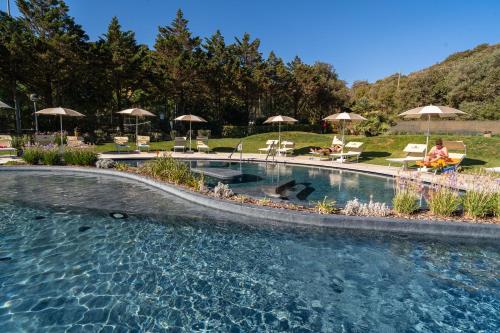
x=381, y=224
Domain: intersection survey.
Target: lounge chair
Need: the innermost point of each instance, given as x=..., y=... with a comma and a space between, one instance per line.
x=287, y=147
x=45, y=139
x=322, y=156
x=457, y=151
x=180, y=143
x=202, y=144
x=354, y=149
x=414, y=152
x=121, y=142
x=143, y=142
x=74, y=141
x=6, y=144
x=271, y=144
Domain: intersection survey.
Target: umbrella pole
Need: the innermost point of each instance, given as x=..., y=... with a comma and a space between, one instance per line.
x=279, y=135
x=190, y=149
x=428, y=133
x=136, y=132
x=62, y=138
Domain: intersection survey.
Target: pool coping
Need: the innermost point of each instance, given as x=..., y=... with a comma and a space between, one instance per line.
x=381, y=224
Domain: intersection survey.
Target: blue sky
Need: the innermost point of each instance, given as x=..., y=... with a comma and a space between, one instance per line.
x=362, y=39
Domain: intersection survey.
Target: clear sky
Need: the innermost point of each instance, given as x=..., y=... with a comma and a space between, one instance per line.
x=362, y=39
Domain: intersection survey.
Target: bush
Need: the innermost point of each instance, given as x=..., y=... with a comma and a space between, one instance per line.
x=478, y=203
x=443, y=201
x=121, y=166
x=32, y=155
x=57, y=140
x=354, y=207
x=481, y=199
x=405, y=202
x=105, y=163
x=170, y=170
x=51, y=156
x=325, y=207
x=80, y=156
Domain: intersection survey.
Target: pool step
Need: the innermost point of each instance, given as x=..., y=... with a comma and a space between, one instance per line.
x=218, y=173
x=276, y=191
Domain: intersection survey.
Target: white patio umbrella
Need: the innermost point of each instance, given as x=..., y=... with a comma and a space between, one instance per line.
x=4, y=106
x=280, y=119
x=191, y=118
x=59, y=111
x=134, y=112
x=343, y=117
x=431, y=111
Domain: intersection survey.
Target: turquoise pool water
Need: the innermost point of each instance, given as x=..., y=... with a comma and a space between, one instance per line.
x=66, y=265
x=312, y=184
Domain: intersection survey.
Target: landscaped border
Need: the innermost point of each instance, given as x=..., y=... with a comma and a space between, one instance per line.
x=395, y=225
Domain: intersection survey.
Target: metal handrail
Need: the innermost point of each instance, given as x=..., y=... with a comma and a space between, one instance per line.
x=271, y=148
x=236, y=148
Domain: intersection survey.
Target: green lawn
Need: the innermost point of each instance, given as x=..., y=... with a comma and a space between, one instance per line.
x=481, y=152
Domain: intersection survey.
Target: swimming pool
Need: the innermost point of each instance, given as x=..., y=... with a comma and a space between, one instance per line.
x=66, y=264
x=311, y=184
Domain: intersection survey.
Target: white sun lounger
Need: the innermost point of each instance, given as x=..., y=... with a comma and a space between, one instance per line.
x=287, y=147
x=6, y=144
x=414, y=152
x=271, y=144
x=354, y=149
x=180, y=143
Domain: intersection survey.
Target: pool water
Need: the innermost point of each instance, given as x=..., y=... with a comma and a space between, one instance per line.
x=312, y=184
x=171, y=266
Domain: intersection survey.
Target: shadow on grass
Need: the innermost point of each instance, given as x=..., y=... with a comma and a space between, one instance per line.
x=223, y=149
x=304, y=150
x=472, y=162
x=370, y=155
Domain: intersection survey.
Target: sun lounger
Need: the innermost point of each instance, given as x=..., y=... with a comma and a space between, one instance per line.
x=456, y=154
x=322, y=156
x=143, y=142
x=45, y=139
x=202, y=144
x=271, y=144
x=74, y=141
x=180, y=143
x=354, y=149
x=6, y=144
x=121, y=142
x=287, y=147
x=414, y=152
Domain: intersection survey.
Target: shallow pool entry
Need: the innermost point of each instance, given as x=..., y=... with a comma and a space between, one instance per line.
x=192, y=269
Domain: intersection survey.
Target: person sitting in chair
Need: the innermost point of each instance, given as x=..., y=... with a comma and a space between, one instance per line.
x=437, y=152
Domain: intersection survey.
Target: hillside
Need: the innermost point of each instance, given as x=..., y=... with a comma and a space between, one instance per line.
x=468, y=80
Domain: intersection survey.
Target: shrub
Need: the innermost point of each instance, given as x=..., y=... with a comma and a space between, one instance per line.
x=57, y=140
x=354, y=207
x=407, y=187
x=481, y=199
x=405, y=202
x=120, y=166
x=443, y=201
x=32, y=155
x=325, y=207
x=223, y=191
x=51, y=156
x=105, y=163
x=170, y=170
x=479, y=203
x=80, y=156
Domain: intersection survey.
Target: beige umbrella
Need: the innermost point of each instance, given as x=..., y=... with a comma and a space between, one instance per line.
x=343, y=117
x=431, y=111
x=59, y=111
x=134, y=112
x=279, y=120
x=191, y=118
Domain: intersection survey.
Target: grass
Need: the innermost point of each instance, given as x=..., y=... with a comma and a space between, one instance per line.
x=481, y=151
